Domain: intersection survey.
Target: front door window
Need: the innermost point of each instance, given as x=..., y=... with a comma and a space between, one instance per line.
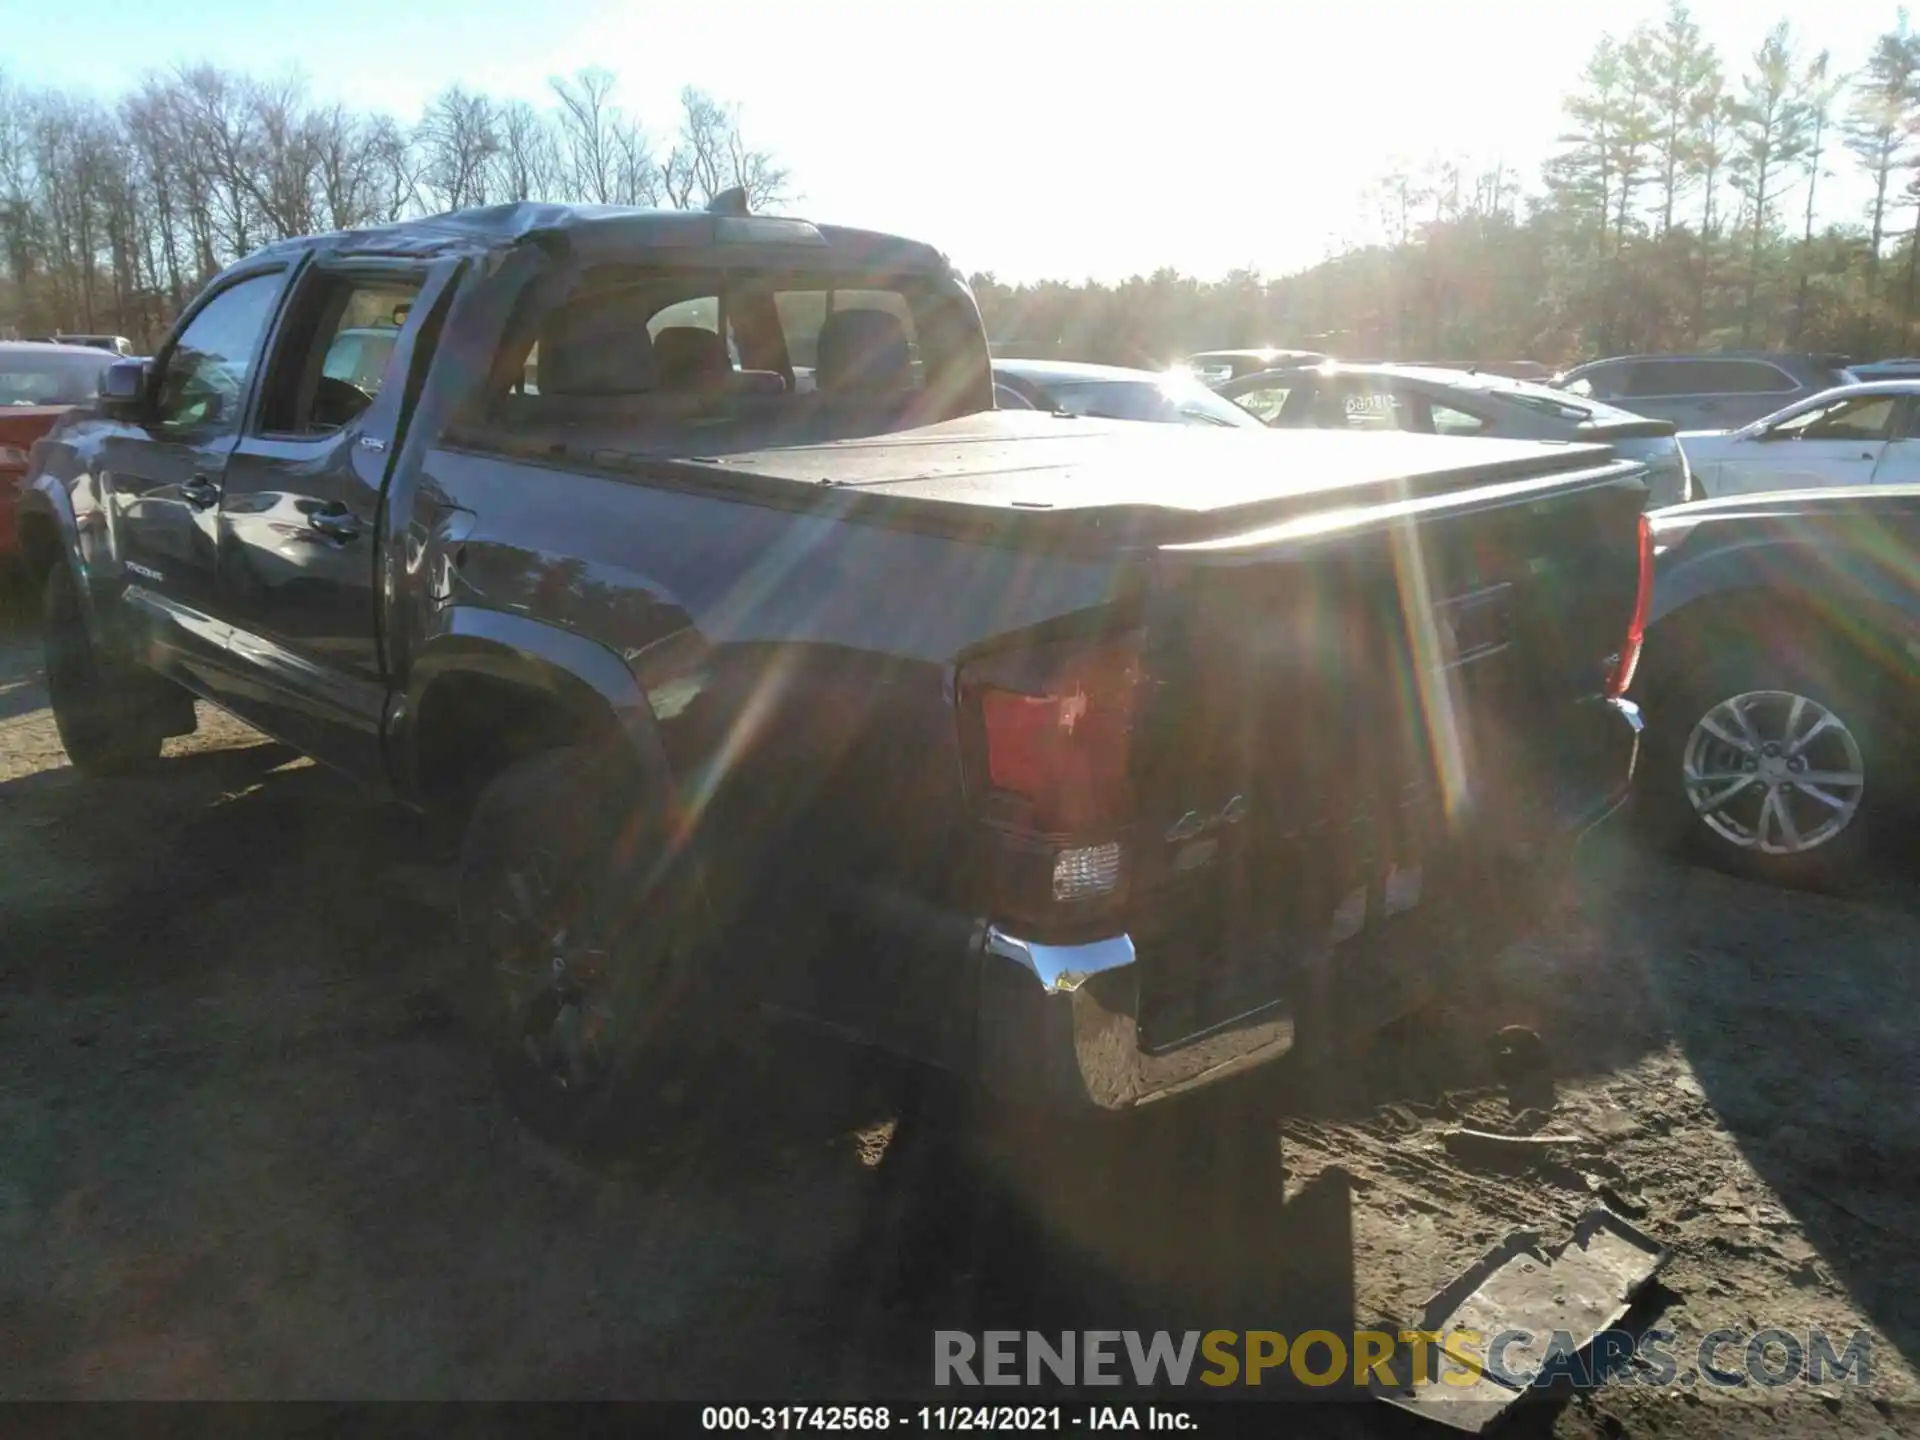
x=203, y=383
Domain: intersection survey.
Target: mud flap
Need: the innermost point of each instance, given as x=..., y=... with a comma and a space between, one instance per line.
x=1535, y=1313
x=170, y=710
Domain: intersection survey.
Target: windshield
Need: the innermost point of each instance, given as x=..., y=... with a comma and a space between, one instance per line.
x=1171, y=400
x=29, y=377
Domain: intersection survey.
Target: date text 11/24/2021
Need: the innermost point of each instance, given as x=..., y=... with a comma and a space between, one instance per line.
x=938, y=1418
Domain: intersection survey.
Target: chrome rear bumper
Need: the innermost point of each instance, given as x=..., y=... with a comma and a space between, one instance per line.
x=1058, y=1024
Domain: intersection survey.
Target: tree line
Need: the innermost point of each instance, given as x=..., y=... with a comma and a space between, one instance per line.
x=113, y=214
x=1688, y=204
x=1682, y=209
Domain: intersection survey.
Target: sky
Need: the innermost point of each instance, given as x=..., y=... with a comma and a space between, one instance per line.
x=1051, y=138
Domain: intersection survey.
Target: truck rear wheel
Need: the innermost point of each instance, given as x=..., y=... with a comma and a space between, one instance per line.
x=110, y=715
x=583, y=965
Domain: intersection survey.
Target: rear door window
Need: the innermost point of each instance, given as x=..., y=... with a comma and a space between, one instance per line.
x=1264, y=403
x=1450, y=421
x=1710, y=377
x=1366, y=405
x=1603, y=382
x=334, y=351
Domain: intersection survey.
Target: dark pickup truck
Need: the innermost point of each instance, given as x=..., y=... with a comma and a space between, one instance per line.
x=1076, y=756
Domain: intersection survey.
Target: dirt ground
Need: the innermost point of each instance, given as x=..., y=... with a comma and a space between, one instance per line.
x=244, y=1151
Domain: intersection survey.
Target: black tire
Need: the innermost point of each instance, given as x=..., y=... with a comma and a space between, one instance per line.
x=1739, y=835
x=611, y=1053
x=107, y=713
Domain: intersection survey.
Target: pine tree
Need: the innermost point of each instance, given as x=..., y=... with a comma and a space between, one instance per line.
x=1683, y=73
x=1771, y=128
x=1580, y=179
x=1879, y=131
x=1635, y=127
x=1820, y=90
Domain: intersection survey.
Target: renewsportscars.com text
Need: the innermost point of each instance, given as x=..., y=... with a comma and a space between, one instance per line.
x=1517, y=1358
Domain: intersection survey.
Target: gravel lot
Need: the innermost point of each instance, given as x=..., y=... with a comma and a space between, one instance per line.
x=247, y=1154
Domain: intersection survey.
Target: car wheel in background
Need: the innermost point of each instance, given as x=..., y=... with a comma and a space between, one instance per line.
x=1772, y=768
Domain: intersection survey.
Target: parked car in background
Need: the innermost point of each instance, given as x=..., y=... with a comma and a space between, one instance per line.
x=38, y=384
x=1111, y=392
x=1216, y=367
x=1850, y=435
x=1782, y=676
x=1430, y=401
x=1907, y=368
x=113, y=344
x=1512, y=369
x=359, y=356
x=1705, y=392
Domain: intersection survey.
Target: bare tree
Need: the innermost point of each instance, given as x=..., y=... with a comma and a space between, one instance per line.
x=284, y=157
x=636, y=173
x=111, y=216
x=19, y=214
x=458, y=140
x=711, y=156
x=395, y=171
x=528, y=163
x=589, y=125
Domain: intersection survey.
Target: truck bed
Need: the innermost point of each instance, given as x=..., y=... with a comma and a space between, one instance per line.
x=1018, y=474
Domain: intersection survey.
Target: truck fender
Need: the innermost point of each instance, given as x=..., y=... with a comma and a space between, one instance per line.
x=46, y=504
x=546, y=658
x=579, y=674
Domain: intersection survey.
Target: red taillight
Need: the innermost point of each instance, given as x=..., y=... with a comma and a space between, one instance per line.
x=1621, y=680
x=1056, y=727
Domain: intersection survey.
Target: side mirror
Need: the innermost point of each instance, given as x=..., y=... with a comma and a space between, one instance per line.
x=124, y=389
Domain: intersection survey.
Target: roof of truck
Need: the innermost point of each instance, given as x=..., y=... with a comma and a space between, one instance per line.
x=616, y=229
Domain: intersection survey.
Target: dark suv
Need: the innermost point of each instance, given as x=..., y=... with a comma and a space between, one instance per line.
x=1706, y=392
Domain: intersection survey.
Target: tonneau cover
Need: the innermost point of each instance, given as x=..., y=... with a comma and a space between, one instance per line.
x=1020, y=460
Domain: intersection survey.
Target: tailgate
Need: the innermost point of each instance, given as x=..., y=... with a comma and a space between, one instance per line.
x=1342, y=724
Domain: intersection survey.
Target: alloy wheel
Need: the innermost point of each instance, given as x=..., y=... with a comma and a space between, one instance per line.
x=1774, y=771
x=553, y=972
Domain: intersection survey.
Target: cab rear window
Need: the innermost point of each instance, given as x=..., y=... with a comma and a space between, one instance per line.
x=690, y=360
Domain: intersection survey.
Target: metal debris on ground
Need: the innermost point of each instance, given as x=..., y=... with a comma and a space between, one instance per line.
x=1577, y=1291
x=1486, y=1147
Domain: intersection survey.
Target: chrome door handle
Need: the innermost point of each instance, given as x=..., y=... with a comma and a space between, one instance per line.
x=336, y=522
x=200, y=492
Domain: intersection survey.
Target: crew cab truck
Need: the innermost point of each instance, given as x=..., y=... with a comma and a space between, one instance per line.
x=1075, y=756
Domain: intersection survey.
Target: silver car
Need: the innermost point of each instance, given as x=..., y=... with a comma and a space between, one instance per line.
x=1853, y=435
x=1434, y=401
x=1112, y=392
x=1705, y=392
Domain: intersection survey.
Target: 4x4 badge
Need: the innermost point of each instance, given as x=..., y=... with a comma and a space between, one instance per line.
x=1193, y=824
